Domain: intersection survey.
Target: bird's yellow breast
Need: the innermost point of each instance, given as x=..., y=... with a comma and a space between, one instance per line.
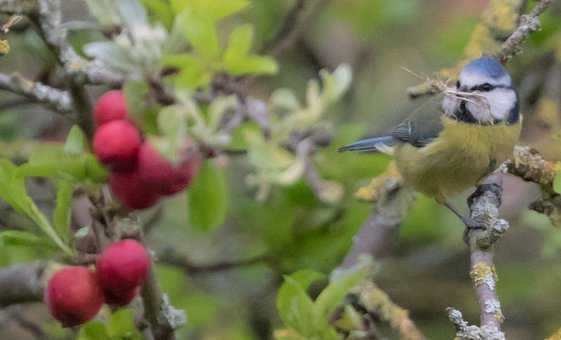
x=458, y=158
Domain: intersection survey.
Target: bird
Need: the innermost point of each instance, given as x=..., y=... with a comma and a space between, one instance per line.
x=443, y=151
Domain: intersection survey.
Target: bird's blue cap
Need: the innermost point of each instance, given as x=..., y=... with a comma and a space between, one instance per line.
x=488, y=66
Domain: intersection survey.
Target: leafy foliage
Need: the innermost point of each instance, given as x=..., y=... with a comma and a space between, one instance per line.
x=208, y=198
x=309, y=319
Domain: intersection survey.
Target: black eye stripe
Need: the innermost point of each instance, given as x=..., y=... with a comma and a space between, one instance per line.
x=483, y=87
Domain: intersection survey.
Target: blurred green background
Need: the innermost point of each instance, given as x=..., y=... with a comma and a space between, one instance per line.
x=427, y=269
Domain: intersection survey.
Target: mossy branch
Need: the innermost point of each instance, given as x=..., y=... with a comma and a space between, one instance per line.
x=487, y=39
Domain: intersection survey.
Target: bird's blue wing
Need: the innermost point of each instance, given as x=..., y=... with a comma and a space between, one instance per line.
x=419, y=129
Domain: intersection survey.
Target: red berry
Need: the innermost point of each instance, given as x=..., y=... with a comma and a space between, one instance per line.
x=120, y=299
x=116, y=145
x=131, y=191
x=161, y=175
x=110, y=106
x=73, y=296
x=122, y=267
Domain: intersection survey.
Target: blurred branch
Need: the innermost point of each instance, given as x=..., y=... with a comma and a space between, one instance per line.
x=160, y=314
x=21, y=283
x=17, y=6
x=152, y=220
x=48, y=18
x=18, y=317
x=56, y=99
x=392, y=202
x=529, y=165
x=486, y=39
x=465, y=331
x=170, y=257
x=377, y=302
x=291, y=28
x=528, y=24
x=486, y=230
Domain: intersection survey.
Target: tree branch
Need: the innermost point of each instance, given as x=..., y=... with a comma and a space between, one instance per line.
x=530, y=166
x=290, y=29
x=484, y=41
x=488, y=228
x=31, y=327
x=376, y=301
x=392, y=202
x=160, y=314
x=58, y=100
x=18, y=6
x=189, y=267
x=21, y=283
x=528, y=24
x=49, y=19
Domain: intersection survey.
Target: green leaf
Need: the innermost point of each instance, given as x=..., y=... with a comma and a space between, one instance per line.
x=252, y=65
x=200, y=31
x=557, y=183
x=140, y=105
x=94, y=330
x=333, y=294
x=55, y=163
x=215, y=9
x=95, y=172
x=76, y=142
x=172, y=125
x=239, y=42
x=193, y=71
x=208, y=198
x=61, y=215
x=12, y=190
x=22, y=238
x=121, y=325
x=237, y=58
x=161, y=10
x=295, y=307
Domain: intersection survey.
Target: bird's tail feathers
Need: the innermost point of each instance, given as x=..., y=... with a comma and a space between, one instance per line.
x=382, y=144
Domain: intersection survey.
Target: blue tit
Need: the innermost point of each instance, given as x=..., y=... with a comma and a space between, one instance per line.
x=443, y=151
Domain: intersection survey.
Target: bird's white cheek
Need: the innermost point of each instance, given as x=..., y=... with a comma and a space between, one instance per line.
x=501, y=102
x=479, y=109
x=450, y=105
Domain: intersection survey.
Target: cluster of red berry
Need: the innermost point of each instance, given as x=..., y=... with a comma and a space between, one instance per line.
x=75, y=294
x=139, y=174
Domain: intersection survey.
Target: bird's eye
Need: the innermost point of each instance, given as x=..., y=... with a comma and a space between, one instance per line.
x=458, y=84
x=485, y=87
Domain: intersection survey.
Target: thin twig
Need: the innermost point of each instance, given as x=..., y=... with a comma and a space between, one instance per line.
x=525, y=26
x=49, y=20
x=189, y=267
x=528, y=24
x=392, y=203
x=289, y=30
x=18, y=6
x=58, y=100
x=31, y=327
x=377, y=302
x=529, y=165
x=153, y=302
x=21, y=283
